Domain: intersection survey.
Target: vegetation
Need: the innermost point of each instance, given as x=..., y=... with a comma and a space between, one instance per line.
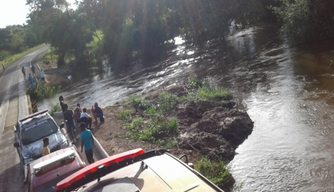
x=149, y=123
x=42, y=91
x=306, y=20
x=8, y=58
x=55, y=108
x=217, y=172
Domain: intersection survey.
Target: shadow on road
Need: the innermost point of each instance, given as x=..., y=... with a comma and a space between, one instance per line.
x=11, y=180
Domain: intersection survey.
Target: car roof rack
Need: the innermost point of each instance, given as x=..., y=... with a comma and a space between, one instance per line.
x=33, y=115
x=103, y=167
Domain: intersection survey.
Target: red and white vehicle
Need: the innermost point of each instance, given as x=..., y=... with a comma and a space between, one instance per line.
x=137, y=171
x=44, y=173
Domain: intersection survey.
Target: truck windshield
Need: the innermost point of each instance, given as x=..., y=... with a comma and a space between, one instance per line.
x=38, y=130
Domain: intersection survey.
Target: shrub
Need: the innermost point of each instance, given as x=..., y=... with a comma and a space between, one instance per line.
x=151, y=112
x=125, y=115
x=167, y=101
x=216, y=172
x=139, y=103
x=42, y=91
x=54, y=108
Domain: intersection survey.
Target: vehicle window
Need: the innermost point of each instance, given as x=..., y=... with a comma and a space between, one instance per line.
x=38, y=130
x=51, y=186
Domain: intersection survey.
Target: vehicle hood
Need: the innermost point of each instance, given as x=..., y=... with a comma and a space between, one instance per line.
x=34, y=150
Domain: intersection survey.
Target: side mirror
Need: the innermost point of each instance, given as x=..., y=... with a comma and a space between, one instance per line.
x=61, y=125
x=14, y=128
x=16, y=144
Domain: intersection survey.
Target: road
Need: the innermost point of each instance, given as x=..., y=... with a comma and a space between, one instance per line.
x=13, y=106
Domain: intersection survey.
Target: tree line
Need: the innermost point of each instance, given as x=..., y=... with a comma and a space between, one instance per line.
x=122, y=31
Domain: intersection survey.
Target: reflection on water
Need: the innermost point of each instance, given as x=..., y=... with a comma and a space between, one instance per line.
x=287, y=91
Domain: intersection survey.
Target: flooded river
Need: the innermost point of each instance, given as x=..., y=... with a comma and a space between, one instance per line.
x=287, y=91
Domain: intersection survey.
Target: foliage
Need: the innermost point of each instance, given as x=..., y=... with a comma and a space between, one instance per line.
x=306, y=20
x=55, y=108
x=139, y=103
x=213, y=94
x=216, y=172
x=167, y=101
x=42, y=91
x=125, y=115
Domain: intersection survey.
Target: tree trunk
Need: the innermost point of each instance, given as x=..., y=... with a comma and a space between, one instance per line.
x=61, y=59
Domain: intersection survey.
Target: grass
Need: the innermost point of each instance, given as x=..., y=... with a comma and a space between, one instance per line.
x=10, y=59
x=216, y=172
x=206, y=93
x=125, y=115
x=167, y=101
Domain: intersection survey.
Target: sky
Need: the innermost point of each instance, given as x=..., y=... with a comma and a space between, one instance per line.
x=14, y=12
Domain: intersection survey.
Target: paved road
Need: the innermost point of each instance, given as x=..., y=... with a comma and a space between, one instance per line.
x=13, y=106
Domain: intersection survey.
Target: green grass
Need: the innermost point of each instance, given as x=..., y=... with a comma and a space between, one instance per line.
x=167, y=101
x=216, y=172
x=10, y=59
x=125, y=115
x=206, y=93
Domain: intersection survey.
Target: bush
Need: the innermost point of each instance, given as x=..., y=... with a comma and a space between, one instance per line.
x=55, y=108
x=167, y=101
x=216, y=172
x=42, y=91
x=125, y=115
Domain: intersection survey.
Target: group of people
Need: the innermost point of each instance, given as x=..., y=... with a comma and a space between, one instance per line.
x=31, y=80
x=80, y=118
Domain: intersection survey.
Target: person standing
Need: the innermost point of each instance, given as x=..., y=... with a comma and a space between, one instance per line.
x=68, y=117
x=62, y=103
x=77, y=113
x=45, y=149
x=23, y=71
x=41, y=73
x=87, y=141
x=33, y=69
x=3, y=67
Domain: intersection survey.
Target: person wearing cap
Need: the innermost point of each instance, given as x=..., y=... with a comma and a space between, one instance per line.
x=87, y=142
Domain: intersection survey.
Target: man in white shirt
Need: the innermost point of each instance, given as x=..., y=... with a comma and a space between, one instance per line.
x=86, y=118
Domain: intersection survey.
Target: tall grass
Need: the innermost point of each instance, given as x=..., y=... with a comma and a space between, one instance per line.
x=217, y=172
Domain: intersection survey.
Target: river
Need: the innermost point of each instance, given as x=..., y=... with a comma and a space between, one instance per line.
x=287, y=91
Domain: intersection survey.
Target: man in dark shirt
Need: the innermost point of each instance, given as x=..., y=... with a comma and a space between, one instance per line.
x=68, y=117
x=62, y=103
x=97, y=113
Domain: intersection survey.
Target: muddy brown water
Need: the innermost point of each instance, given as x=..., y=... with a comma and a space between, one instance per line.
x=287, y=91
